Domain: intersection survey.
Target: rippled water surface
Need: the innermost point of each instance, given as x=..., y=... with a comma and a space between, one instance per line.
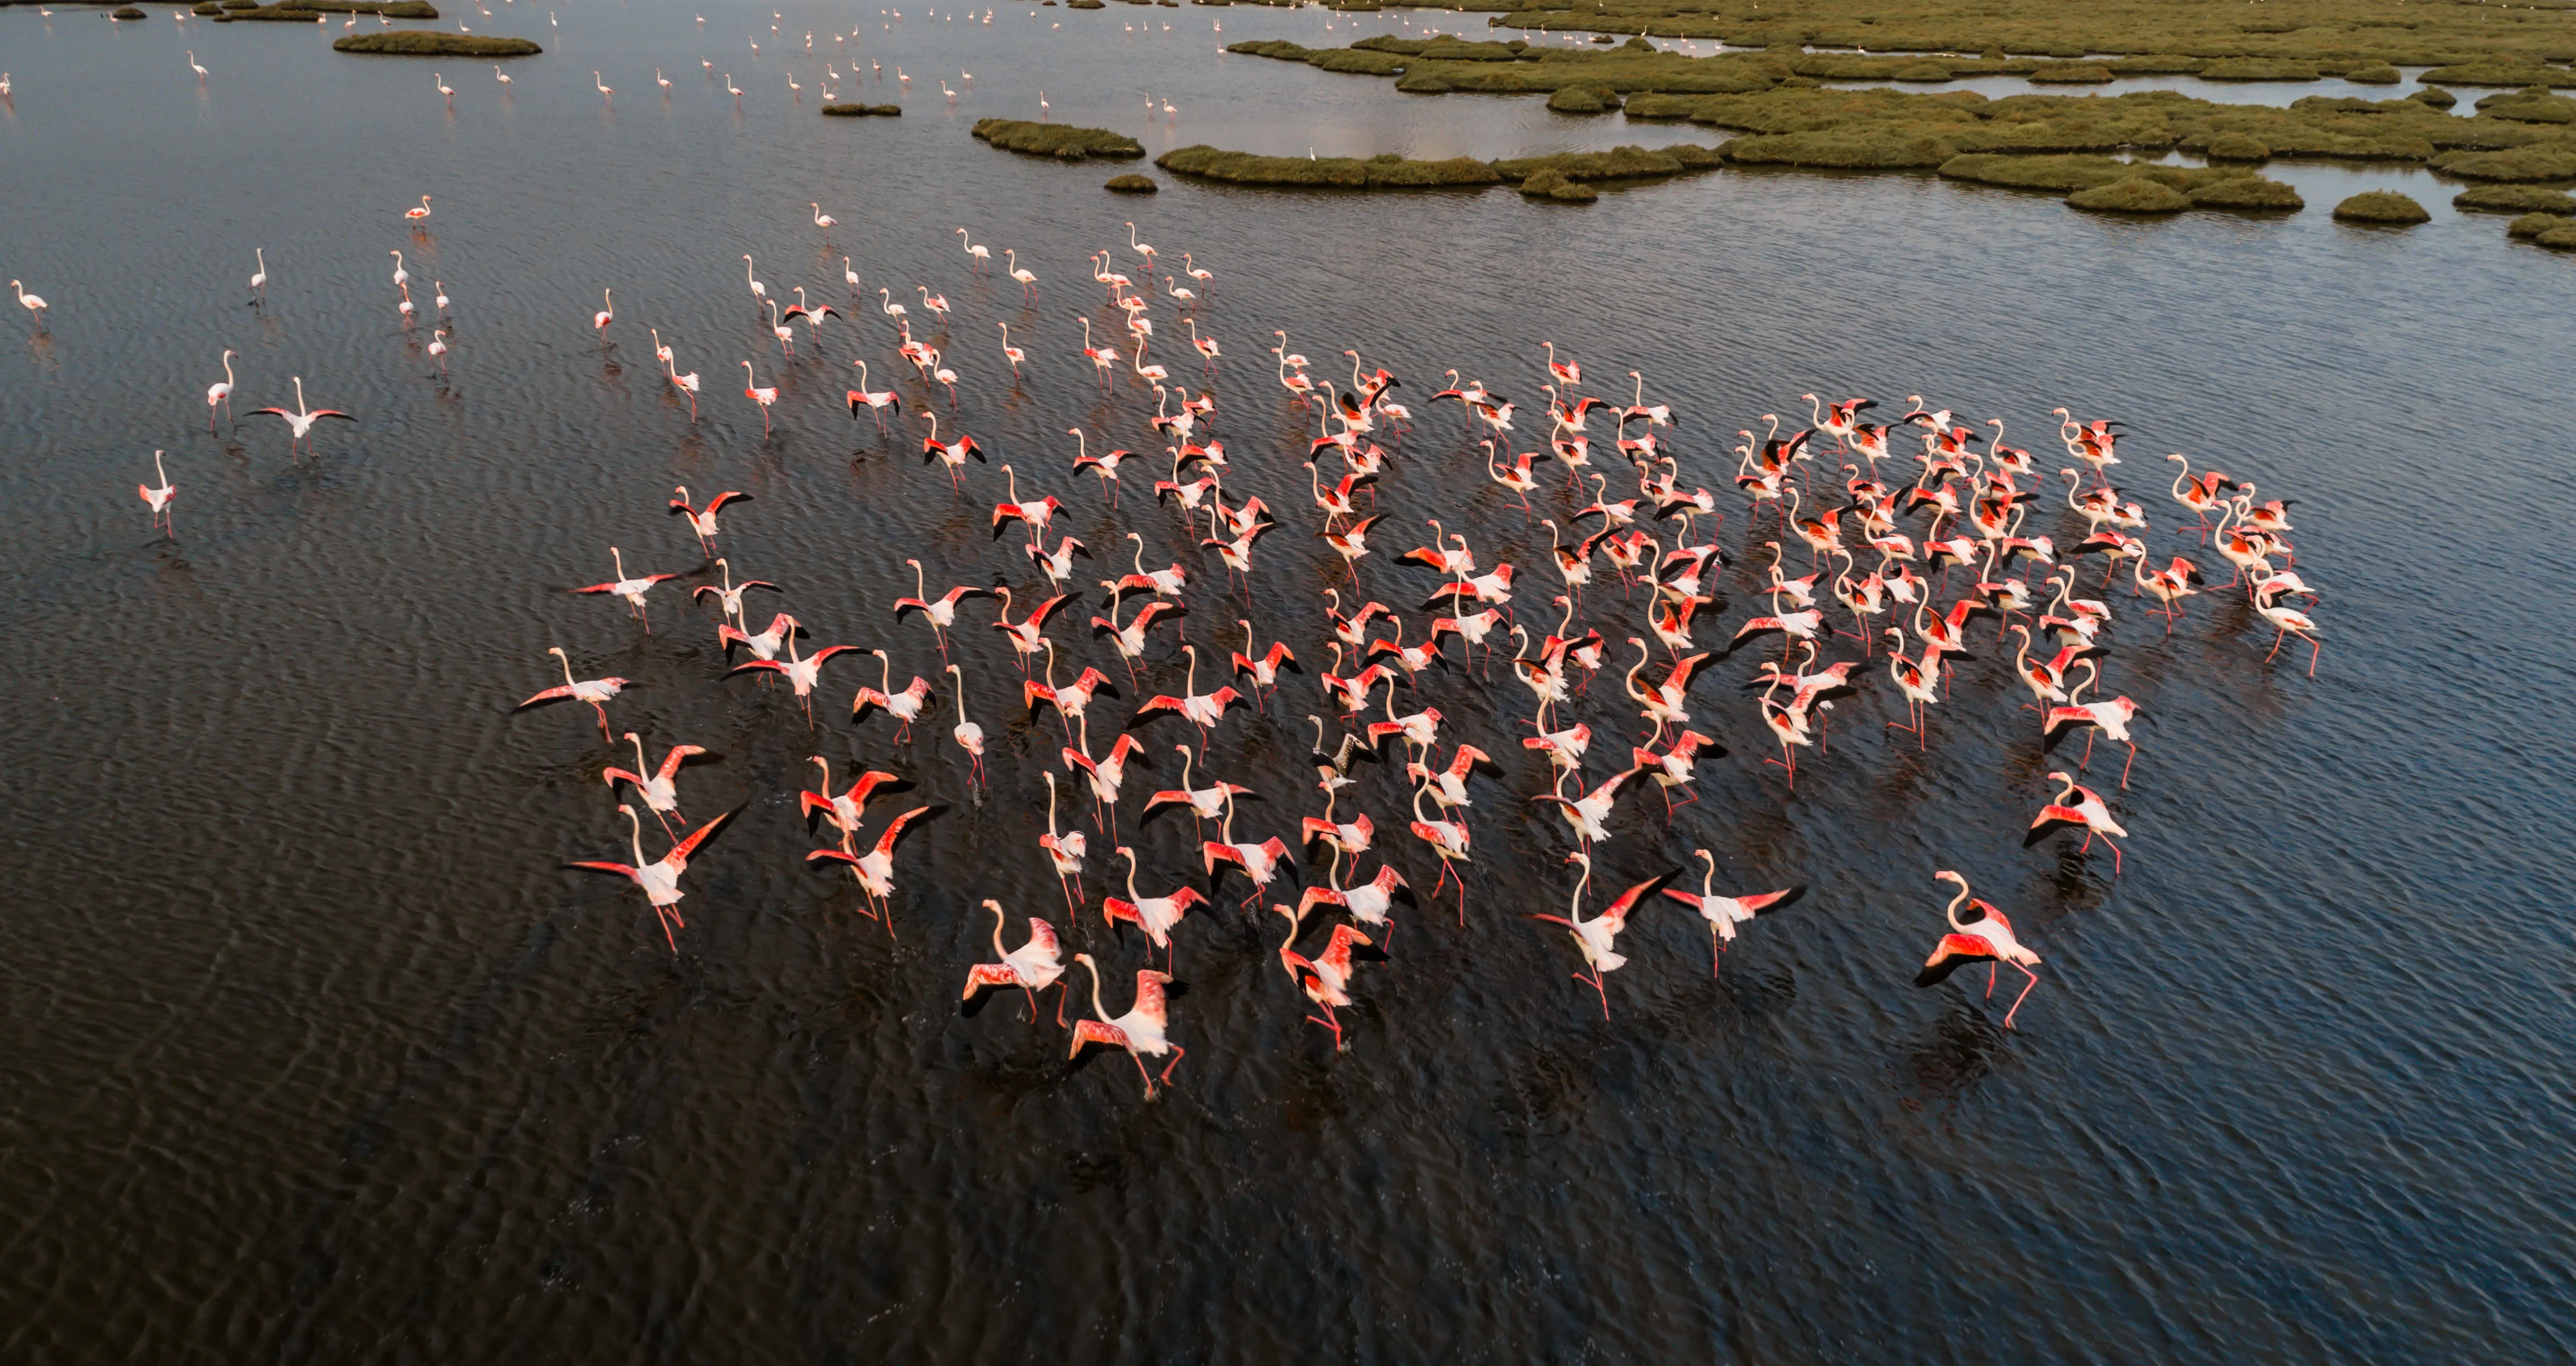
x=312, y=1051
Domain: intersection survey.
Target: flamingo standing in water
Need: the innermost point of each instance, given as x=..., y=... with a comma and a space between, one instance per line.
x=595, y=691
x=764, y=397
x=607, y=314
x=259, y=277
x=420, y=212
x=1141, y=1031
x=1032, y=967
x=299, y=423
x=158, y=499
x=659, y=879
x=221, y=395
x=1987, y=939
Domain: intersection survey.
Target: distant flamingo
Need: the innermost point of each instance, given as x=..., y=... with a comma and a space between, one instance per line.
x=1594, y=938
x=221, y=395
x=904, y=706
x=300, y=422
x=764, y=397
x=158, y=499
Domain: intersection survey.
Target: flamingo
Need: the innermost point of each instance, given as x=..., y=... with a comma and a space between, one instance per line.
x=2291, y=621
x=1024, y=633
x=2076, y=808
x=259, y=277
x=703, y=523
x=604, y=90
x=822, y=220
x=1141, y=1031
x=936, y=303
x=802, y=674
x=951, y=453
x=445, y=91
x=877, y=402
x=1105, y=775
x=1724, y=913
x=1012, y=353
x=1028, y=282
x=1064, y=851
x=1129, y=640
x=438, y=348
x=497, y=73
x=1987, y=939
x=1325, y=979
x=1594, y=938
x=764, y=397
x=875, y=868
x=981, y=257
x=158, y=499
x=941, y=611
x=221, y=395
x=844, y=809
x=660, y=791
x=1586, y=814
x=595, y=691
x=1449, y=841
x=850, y=275
x=660, y=879
x=419, y=212
x=1260, y=862
x=1203, y=710
x=1568, y=373
x=759, y=291
x=300, y=422
x=1034, y=516
x=632, y=589
x=2112, y=718
x=1032, y=967
x=903, y=706
x=1205, y=803
x=1157, y=916
x=970, y=737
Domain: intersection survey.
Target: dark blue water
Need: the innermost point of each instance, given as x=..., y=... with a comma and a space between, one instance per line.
x=312, y=1051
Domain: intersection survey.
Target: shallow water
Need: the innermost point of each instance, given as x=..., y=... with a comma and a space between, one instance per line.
x=315, y=1052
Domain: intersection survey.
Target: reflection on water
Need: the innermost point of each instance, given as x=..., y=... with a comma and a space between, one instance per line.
x=314, y=1049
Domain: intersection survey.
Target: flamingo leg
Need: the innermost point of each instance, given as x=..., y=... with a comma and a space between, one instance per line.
x=2025, y=994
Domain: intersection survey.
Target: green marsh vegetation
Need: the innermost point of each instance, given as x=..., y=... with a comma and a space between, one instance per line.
x=1060, y=140
x=2515, y=199
x=2381, y=206
x=861, y=111
x=2555, y=231
x=1132, y=183
x=2336, y=36
x=421, y=42
x=1568, y=177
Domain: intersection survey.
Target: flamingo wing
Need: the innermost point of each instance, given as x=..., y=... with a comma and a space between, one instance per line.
x=2052, y=819
x=895, y=830
x=554, y=694
x=1954, y=952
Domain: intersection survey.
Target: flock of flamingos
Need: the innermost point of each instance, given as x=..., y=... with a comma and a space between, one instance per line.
x=1861, y=527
